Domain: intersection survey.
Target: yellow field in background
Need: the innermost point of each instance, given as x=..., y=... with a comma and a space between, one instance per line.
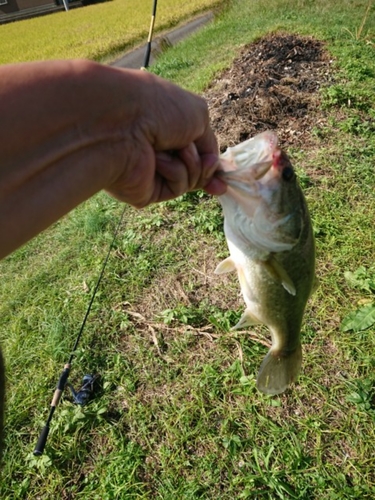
x=92, y=32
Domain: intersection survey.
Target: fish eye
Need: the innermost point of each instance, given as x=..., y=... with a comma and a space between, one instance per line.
x=288, y=174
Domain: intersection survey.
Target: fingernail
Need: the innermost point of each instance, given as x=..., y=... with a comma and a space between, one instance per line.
x=216, y=187
x=210, y=164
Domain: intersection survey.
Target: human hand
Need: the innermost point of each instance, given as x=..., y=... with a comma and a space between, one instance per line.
x=85, y=127
x=169, y=146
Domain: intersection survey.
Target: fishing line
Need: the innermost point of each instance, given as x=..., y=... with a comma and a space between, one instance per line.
x=63, y=380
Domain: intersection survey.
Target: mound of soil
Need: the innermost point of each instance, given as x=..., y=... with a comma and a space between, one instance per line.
x=272, y=85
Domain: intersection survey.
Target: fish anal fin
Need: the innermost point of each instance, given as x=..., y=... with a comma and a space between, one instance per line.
x=278, y=273
x=279, y=370
x=247, y=319
x=226, y=266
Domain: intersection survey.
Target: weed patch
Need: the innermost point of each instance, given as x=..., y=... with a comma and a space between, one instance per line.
x=178, y=414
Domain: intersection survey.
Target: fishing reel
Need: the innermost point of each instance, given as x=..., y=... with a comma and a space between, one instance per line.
x=87, y=390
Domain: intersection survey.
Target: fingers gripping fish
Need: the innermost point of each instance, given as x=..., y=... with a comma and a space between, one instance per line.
x=270, y=239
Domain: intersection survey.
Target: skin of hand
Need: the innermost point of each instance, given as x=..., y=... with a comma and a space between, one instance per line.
x=72, y=128
x=172, y=148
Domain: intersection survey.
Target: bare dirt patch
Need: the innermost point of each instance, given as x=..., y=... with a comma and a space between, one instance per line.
x=272, y=85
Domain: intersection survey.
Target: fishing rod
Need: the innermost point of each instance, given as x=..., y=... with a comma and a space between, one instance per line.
x=82, y=396
x=149, y=41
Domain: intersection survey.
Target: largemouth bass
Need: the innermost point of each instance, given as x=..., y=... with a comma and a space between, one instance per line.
x=270, y=239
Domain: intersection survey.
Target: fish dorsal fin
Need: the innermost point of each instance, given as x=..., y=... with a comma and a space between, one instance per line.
x=226, y=266
x=278, y=273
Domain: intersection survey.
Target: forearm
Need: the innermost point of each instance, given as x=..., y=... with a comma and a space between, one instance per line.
x=44, y=198
x=69, y=129
x=62, y=136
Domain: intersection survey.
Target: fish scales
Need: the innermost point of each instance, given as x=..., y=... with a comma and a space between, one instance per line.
x=270, y=239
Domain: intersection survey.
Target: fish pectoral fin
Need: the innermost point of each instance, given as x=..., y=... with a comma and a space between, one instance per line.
x=279, y=274
x=226, y=266
x=247, y=319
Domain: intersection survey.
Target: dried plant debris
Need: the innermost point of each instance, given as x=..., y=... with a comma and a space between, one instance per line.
x=274, y=85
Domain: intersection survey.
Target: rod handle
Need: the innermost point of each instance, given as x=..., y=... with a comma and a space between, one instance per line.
x=39, y=448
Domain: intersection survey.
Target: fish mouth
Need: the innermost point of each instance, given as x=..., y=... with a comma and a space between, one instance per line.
x=250, y=160
x=245, y=167
x=255, y=173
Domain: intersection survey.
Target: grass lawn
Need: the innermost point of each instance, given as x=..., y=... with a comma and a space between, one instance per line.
x=177, y=415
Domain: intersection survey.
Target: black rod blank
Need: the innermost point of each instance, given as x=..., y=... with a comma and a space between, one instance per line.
x=149, y=41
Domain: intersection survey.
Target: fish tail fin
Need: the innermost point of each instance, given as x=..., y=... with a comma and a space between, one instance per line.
x=278, y=371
